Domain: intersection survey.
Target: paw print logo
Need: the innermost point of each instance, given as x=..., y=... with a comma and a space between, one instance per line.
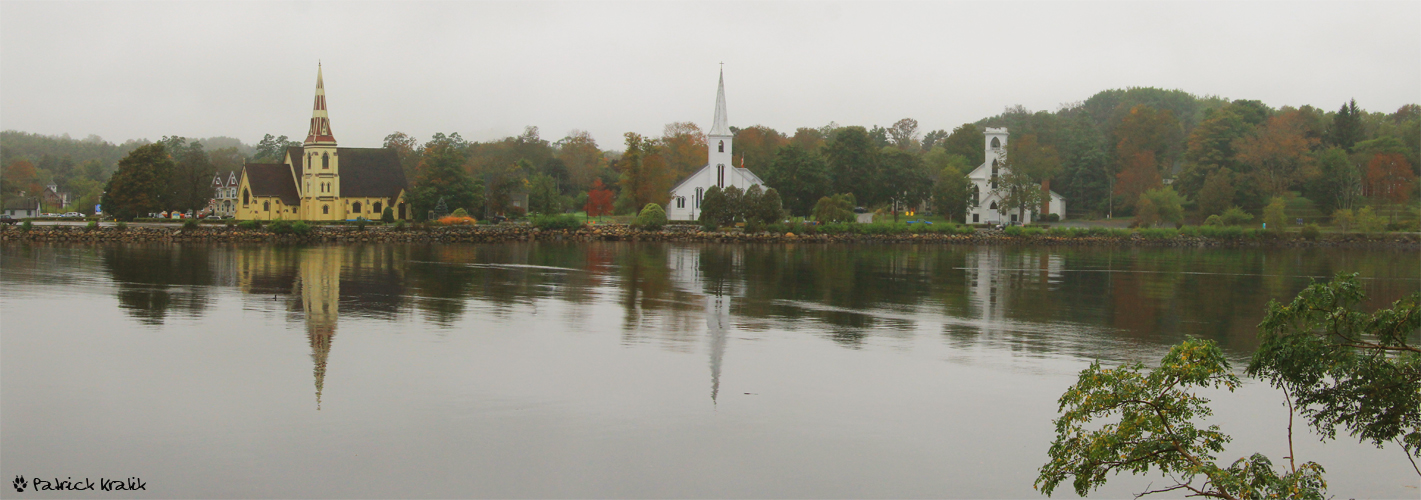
x=20, y=484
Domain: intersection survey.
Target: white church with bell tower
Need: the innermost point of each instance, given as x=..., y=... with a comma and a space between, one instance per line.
x=686, y=197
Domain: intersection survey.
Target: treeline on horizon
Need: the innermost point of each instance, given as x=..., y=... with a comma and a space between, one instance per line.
x=1102, y=154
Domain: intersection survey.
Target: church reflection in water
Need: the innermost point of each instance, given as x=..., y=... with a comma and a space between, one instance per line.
x=314, y=283
x=688, y=298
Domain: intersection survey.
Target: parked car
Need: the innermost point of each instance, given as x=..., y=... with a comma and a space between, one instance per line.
x=7, y=219
x=74, y=214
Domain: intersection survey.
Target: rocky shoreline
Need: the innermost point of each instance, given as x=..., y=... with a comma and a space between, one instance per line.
x=690, y=234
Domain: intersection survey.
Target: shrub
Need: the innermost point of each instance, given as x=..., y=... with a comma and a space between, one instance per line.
x=1033, y=231
x=26, y=226
x=834, y=228
x=837, y=208
x=1159, y=233
x=249, y=224
x=454, y=220
x=300, y=228
x=460, y=212
x=388, y=215
x=1051, y=218
x=652, y=217
x=754, y=225
x=360, y=224
x=121, y=225
x=1214, y=220
x=559, y=221
x=93, y=224
x=280, y=227
x=1343, y=218
x=400, y=225
x=1189, y=231
x=1059, y=232
x=1014, y=231
x=1370, y=222
x=1235, y=216
x=1310, y=232
x=1274, y=215
x=190, y=224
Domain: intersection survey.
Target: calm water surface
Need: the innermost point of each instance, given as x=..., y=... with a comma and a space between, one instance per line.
x=618, y=370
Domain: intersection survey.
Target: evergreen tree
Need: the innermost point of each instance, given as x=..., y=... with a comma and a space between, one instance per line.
x=1346, y=128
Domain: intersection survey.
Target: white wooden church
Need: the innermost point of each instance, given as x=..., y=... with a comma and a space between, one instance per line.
x=989, y=209
x=686, y=197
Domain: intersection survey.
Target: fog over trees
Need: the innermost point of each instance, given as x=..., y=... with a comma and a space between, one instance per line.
x=1102, y=154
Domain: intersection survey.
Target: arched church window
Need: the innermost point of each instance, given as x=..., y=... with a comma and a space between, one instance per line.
x=356, y=207
x=246, y=197
x=326, y=160
x=994, y=206
x=722, y=146
x=996, y=143
x=377, y=208
x=326, y=209
x=266, y=206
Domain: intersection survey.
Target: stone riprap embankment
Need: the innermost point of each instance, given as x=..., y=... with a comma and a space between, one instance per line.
x=519, y=232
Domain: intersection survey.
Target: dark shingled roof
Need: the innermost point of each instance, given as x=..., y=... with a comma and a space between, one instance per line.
x=297, y=154
x=22, y=204
x=370, y=173
x=273, y=179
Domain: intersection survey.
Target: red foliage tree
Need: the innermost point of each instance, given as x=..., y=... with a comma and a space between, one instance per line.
x=1389, y=177
x=599, y=200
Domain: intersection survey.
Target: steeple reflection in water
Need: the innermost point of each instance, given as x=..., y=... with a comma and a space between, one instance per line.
x=320, y=300
x=717, y=317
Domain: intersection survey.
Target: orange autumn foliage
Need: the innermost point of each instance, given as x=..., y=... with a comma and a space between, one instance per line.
x=452, y=220
x=1389, y=177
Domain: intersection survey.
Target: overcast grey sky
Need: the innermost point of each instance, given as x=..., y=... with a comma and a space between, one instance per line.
x=126, y=70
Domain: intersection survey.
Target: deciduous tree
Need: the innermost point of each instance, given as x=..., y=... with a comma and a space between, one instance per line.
x=1389, y=178
x=1278, y=152
x=645, y=177
x=407, y=149
x=756, y=146
x=853, y=158
x=1132, y=419
x=441, y=175
x=684, y=146
x=584, y=160
x=599, y=200
x=904, y=135
x=968, y=141
x=801, y=176
x=273, y=149
x=139, y=187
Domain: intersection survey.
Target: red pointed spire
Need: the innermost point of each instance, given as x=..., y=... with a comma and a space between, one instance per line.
x=320, y=132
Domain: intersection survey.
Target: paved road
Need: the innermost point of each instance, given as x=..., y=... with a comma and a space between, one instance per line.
x=82, y=223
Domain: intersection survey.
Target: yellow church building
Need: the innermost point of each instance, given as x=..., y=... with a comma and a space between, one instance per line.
x=320, y=181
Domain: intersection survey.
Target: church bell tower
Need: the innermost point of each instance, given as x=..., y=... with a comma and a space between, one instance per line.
x=320, y=183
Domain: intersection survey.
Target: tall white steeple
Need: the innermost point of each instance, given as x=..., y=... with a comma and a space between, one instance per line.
x=718, y=139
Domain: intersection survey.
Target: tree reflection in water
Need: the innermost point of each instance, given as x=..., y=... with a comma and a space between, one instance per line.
x=1112, y=303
